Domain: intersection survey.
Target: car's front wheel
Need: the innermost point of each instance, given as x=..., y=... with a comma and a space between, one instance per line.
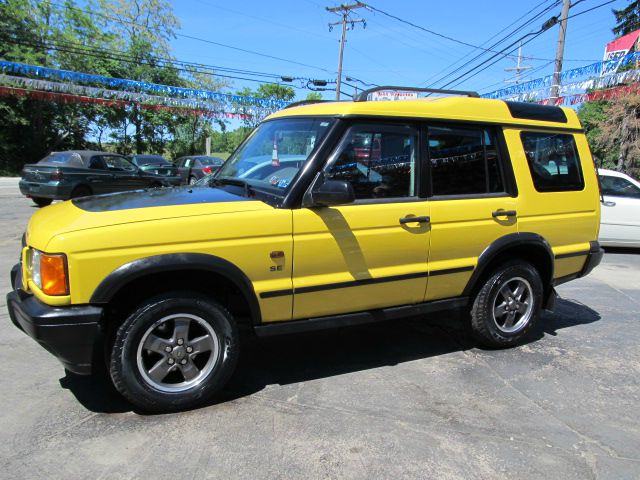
x=507, y=305
x=174, y=352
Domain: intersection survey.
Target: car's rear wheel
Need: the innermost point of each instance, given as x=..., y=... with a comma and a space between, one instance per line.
x=42, y=202
x=192, y=180
x=174, y=352
x=507, y=305
x=80, y=191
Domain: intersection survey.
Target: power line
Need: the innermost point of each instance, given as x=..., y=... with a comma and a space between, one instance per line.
x=419, y=27
x=109, y=55
x=498, y=42
x=535, y=35
x=244, y=50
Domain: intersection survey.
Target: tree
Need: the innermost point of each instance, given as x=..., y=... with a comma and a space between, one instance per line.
x=613, y=131
x=31, y=32
x=627, y=19
x=592, y=116
x=314, y=96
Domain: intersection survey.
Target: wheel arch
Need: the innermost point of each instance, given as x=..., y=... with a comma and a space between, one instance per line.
x=525, y=245
x=175, y=269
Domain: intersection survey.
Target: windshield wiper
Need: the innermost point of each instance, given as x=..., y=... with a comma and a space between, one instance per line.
x=234, y=181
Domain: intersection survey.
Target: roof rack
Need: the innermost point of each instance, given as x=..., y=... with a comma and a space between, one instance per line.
x=304, y=102
x=362, y=96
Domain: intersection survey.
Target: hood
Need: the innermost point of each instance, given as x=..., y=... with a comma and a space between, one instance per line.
x=130, y=207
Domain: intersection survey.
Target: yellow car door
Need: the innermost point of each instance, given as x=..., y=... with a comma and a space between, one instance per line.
x=473, y=202
x=373, y=252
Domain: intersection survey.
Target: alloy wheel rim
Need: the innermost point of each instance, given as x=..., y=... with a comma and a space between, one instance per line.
x=177, y=352
x=513, y=305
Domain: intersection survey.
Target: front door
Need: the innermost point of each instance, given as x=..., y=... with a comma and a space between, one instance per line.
x=372, y=253
x=126, y=176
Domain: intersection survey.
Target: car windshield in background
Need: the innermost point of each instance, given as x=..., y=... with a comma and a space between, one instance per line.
x=275, y=152
x=138, y=160
x=210, y=161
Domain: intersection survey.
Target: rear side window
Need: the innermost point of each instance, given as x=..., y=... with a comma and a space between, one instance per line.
x=464, y=161
x=553, y=161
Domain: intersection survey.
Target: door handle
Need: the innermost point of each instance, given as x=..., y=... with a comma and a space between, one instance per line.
x=504, y=213
x=609, y=203
x=414, y=220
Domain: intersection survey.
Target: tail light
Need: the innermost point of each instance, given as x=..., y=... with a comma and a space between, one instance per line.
x=57, y=175
x=206, y=170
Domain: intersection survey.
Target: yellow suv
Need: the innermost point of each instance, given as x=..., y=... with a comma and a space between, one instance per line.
x=329, y=214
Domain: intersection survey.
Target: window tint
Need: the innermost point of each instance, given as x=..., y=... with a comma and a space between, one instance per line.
x=118, y=163
x=97, y=163
x=379, y=161
x=618, y=187
x=553, y=161
x=464, y=161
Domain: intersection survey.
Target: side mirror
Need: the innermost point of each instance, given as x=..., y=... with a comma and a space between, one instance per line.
x=330, y=193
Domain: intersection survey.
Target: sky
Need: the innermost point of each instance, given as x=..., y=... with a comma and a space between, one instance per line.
x=387, y=51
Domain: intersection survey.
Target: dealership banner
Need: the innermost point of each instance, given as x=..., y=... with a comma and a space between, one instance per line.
x=615, y=51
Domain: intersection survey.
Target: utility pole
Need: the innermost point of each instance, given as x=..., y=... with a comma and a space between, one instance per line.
x=519, y=68
x=555, y=86
x=344, y=10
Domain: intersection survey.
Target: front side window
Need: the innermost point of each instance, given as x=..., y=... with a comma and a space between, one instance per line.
x=378, y=160
x=553, y=161
x=618, y=187
x=464, y=161
x=118, y=163
x=274, y=153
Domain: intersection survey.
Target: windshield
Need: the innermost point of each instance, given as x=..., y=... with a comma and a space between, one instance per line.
x=210, y=161
x=149, y=160
x=275, y=152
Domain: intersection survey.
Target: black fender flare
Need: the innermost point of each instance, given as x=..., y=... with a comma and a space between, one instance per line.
x=502, y=244
x=142, y=267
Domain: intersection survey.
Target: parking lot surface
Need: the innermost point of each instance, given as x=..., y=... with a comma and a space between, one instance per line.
x=409, y=399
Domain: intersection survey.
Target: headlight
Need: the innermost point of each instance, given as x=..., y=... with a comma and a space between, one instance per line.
x=49, y=272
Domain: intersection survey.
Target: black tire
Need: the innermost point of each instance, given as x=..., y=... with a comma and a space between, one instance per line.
x=81, y=191
x=132, y=366
x=495, y=329
x=156, y=185
x=42, y=202
x=192, y=180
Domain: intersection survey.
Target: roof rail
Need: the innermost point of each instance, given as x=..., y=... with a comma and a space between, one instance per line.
x=304, y=102
x=362, y=96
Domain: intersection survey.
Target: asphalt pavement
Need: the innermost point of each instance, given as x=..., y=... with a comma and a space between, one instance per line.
x=409, y=399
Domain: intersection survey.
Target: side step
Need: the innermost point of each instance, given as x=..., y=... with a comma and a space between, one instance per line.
x=359, y=318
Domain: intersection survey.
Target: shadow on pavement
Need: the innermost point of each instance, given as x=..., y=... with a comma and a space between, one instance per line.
x=303, y=357
x=622, y=250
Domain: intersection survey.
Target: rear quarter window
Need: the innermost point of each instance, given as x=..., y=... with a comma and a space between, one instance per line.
x=553, y=161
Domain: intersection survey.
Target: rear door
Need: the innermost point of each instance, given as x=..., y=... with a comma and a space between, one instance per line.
x=472, y=201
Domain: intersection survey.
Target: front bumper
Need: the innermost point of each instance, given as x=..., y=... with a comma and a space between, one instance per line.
x=69, y=333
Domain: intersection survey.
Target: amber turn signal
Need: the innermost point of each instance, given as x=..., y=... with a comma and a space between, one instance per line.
x=53, y=274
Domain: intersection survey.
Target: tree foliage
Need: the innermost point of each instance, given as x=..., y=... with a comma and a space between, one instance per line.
x=627, y=19
x=117, y=38
x=613, y=132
